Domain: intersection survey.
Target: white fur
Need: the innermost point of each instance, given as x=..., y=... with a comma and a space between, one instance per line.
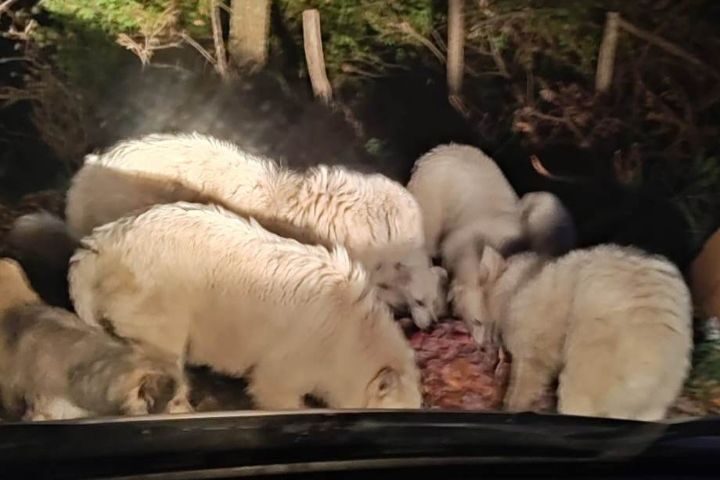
x=376, y=219
x=200, y=281
x=612, y=322
x=466, y=202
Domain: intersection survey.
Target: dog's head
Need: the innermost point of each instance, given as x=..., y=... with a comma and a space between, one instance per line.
x=413, y=285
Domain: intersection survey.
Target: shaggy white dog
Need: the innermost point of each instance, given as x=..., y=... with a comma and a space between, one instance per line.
x=466, y=203
x=613, y=323
x=203, y=283
x=375, y=218
x=58, y=367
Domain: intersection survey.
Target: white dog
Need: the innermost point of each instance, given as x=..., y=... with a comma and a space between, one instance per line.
x=203, y=283
x=375, y=218
x=613, y=323
x=59, y=367
x=467, y=203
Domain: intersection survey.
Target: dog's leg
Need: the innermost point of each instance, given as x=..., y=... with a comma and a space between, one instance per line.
x=270, y=389
x=53, y=408
x=529, y=378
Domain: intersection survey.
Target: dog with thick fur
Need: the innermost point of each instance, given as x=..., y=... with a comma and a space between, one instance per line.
x=375, y=218
x=54, y=366
x=212, y=288
x=467, y=202
x=612, y=324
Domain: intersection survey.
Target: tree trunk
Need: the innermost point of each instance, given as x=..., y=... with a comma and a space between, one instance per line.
x=220, y=54
x=312, y=39
x=249, y=30
x=456, y=41
x=606, y=56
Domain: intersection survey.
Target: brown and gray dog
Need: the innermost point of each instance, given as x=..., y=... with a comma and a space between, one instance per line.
x=54, y=366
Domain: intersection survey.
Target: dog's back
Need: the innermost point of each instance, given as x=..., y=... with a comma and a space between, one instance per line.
x=630, y=335
x=163, y=168
x=457, y=185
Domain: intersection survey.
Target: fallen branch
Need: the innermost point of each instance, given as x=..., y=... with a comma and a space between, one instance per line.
x=455, y=49
x=408, y=30
x=314, y=57
x=220, y=54
x=579, y=136
x=542, y=171
x=5, y=6
x=667, y=46
x=606, y=56
x=191, y=41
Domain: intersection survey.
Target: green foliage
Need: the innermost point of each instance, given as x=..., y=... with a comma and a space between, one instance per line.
x=697, y=196
x=364, y=37
x=111, y=16
x=128, y=16
x=85, y=48
x=704, y=381
x=566, y=32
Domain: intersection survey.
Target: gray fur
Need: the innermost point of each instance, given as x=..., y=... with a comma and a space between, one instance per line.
x=81, y=363
x=54, y=362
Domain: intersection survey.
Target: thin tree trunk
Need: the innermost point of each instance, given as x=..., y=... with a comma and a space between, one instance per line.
x=249, y=31
x=456, y=41
x=220, y=54
x=312, y=39
x=606, y=56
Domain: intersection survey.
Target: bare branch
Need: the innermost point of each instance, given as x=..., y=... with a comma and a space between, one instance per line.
x=5, y=6
x=667, y=46
x=408, y=30
x=606, y=56
x=314, y=57
x=220, y=54
x=191, y=41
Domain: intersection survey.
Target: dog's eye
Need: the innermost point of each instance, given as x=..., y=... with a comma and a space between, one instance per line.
x=419, y=303
x=383, y=286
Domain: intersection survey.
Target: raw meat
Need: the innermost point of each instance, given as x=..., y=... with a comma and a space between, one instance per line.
x=456, y=372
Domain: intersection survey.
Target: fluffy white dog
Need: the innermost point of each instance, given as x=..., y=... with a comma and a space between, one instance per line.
x=203, y=283
x=467, y=203
x=613, y=323
x=375, y=218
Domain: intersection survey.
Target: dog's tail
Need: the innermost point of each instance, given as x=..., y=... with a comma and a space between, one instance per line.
x=548, y=224
x=43, y=244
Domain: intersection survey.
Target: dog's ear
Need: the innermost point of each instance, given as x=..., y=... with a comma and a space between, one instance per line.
x=492, y=264
x=156, y=390
x=384, y=382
